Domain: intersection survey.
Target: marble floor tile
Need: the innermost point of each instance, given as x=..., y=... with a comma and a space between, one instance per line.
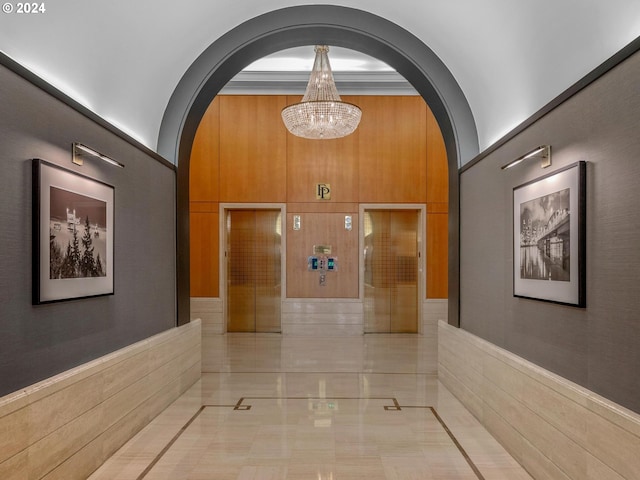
x=280, y=407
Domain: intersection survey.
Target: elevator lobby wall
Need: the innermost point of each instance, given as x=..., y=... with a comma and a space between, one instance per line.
x=243, y=154
x=596, y=347
x=39, y=341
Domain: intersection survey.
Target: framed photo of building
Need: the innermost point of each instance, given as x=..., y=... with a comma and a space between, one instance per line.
x=73, y=227
x=549, y=229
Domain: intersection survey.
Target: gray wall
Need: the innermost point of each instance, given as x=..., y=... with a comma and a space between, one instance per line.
x=37, y=342
x=597, y=347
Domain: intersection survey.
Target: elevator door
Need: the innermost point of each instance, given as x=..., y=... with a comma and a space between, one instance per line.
x=253, y=270
x=391, y=271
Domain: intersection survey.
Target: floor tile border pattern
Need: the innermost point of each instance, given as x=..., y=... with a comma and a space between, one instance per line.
x=240, y=405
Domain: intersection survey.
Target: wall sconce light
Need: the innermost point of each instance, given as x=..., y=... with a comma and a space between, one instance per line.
x=543, y=152
x=80, y=151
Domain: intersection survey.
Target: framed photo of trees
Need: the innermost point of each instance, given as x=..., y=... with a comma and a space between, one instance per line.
x=73, y=228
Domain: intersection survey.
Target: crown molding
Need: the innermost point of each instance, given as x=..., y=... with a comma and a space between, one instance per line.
x=295, y=83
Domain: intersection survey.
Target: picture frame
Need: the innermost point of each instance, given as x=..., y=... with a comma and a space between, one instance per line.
x=549, y=237
x=73, y=235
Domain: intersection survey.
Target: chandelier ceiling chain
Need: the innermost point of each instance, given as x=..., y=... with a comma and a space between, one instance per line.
x=321, y=114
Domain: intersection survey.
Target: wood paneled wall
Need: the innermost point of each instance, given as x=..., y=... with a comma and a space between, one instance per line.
x=322, y=229
x=437, y=183
x=393, y=154
x=253, y=149
x=242, y=153
x=204, y=244
x=204, y=173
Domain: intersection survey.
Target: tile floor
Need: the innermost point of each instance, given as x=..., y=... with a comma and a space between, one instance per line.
x=279, y=407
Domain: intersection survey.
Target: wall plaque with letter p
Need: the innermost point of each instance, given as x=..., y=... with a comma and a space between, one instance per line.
x=323, y=191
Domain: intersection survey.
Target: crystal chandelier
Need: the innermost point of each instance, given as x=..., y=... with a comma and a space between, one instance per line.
x=321, y=114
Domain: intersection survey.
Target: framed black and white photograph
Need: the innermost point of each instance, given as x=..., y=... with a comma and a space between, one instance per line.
x=549, y=229
x=72, y=235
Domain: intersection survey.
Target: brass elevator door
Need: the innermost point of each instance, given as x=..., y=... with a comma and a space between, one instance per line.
x=253, y=240
x=391, y=271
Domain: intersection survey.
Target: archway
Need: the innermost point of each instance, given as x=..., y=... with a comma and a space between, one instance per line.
x=308, y=25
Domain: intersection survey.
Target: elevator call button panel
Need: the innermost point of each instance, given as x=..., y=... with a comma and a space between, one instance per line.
x=322, y=263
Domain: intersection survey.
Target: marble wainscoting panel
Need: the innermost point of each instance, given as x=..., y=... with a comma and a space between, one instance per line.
x=553, y=427
x=433, y=311
x=322, y=317
x=211, y=312
x=68, y=425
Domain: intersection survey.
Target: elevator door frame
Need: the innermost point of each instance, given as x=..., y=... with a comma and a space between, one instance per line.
x=422, y=275
x=222, y=273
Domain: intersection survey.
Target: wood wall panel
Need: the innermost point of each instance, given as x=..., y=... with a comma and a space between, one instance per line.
x=205, y=157
x=243, y=153
x=437, y=255
x=310, y=162
x=437, y=166
x=204, y=253
x=437, y=208
x=253, y=143
x=203, y=207
x=322, y=229
x=392, y=148
x=323, y=207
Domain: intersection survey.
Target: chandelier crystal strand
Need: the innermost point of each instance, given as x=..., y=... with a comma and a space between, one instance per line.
x=321, y=114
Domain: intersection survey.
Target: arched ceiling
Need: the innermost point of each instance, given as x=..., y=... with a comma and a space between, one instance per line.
x=123, y=59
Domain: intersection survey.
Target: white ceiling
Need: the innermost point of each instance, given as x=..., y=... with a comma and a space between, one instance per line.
x=124, y=58
x=300, y=59
x=287, y=72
